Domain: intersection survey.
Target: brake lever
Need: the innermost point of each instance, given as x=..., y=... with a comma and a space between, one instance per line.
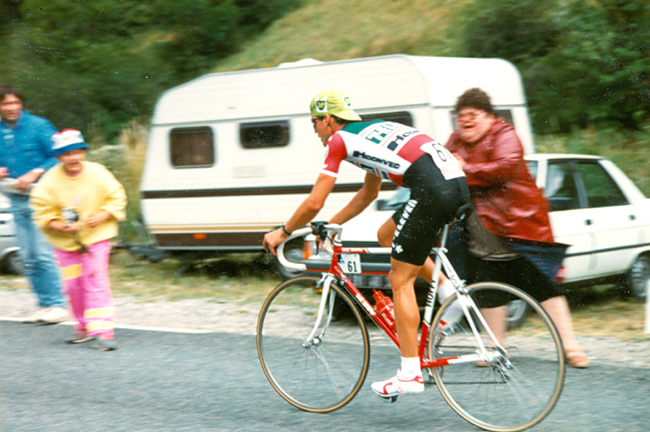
x=319, y=230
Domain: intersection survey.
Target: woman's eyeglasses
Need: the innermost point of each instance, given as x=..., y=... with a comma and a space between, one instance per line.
x=469, y=115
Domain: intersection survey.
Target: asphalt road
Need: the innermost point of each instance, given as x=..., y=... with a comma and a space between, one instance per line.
x=165, y=381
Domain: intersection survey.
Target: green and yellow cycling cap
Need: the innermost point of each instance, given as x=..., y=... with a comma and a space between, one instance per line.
x=333, y=102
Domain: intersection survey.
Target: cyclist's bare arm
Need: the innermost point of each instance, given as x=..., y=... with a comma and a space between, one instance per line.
x=304, y=213
x=366, y=195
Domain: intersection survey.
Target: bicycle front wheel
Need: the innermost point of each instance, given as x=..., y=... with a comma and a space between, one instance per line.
x=321, y=373
x=510, y=388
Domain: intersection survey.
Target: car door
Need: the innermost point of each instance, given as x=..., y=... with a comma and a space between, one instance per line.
x=571, y=220
x=615, y=221
x=8, y=241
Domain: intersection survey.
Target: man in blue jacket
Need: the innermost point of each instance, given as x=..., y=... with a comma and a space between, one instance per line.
x=25, y=144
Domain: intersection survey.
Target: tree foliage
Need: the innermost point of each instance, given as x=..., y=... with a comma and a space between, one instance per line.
x=584, y=62
x=97, y=64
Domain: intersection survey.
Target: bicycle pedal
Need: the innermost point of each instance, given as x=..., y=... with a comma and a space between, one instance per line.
x=389, y=399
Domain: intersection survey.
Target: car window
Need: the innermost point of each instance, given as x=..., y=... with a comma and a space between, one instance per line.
x=532, y=168
x=561, y=191
x=505, y=115
x=600, y=188
x=397, y=200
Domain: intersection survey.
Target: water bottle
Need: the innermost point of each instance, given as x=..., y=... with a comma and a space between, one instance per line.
x=384, y=305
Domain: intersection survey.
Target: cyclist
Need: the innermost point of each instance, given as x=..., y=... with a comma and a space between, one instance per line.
x=409, y=158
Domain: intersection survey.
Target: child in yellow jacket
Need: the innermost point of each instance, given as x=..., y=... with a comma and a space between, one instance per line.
x=78, y=205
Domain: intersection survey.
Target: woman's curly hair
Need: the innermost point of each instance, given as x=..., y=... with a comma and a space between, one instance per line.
x=475, y=98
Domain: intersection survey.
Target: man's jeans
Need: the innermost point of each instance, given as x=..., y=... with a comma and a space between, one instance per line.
x=36, y=254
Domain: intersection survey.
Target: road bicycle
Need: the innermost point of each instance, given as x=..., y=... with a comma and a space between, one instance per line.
x=314, y=346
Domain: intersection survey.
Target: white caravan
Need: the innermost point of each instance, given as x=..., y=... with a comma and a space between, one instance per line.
x=232, y=155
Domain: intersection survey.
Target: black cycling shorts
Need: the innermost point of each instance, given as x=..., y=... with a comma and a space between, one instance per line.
x=434, y=201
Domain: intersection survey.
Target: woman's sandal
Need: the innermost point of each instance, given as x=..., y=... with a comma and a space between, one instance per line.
x=576, y=358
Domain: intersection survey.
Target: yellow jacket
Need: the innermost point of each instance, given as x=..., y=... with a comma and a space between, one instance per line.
x=93, y=190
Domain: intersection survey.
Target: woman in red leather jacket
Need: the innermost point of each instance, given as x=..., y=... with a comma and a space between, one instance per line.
x=510, y=205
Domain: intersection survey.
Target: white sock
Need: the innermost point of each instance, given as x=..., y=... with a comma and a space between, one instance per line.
x=410, y=367
x=455, y=311
x=445, y=290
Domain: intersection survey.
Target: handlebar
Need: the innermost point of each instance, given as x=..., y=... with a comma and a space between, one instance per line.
x=317, y=230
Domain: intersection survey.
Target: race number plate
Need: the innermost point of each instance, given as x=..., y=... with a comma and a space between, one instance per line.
x=444, y=160
x=350, y=263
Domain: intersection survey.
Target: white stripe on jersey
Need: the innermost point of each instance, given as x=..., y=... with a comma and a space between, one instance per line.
x=377, y=159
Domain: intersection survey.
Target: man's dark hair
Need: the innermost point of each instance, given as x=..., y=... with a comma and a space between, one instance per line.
x=8, y=89
x=341, y=121
x=475, y=98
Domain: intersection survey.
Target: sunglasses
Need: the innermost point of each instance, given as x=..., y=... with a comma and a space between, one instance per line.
x=314, y=120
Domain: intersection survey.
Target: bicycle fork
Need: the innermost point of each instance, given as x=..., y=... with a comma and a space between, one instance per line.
x=312, y=340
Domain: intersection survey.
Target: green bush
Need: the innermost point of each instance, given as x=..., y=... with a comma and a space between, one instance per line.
x=583, y=62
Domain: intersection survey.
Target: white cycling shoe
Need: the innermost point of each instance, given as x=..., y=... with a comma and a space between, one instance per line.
x=398, y=385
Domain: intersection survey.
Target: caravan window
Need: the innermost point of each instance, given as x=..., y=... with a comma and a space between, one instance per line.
x=192, y=147
x=401, y=117
x=264, y=135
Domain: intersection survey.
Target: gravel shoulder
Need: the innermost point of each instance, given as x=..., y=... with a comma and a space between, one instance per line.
x=207, y=315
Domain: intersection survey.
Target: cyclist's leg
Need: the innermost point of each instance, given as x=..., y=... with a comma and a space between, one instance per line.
x=407, y=316
x=433, y=201
x=410, y=247
x=445, y=289
x=407, y=319
x=385, y=237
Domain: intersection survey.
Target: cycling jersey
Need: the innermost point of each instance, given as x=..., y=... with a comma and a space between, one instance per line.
x=399, y=153
x=387, y=150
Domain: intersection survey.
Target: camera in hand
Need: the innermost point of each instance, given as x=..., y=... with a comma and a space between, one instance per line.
x=69, y=215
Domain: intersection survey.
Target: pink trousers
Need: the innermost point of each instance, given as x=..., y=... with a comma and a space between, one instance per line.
x=86, y=282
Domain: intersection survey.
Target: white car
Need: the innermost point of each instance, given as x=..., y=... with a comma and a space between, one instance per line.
x=595, y=208
x=9, y=250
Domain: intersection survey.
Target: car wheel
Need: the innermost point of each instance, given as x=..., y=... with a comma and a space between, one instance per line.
x=516, y=315
x=13, y=264
x=637, y=279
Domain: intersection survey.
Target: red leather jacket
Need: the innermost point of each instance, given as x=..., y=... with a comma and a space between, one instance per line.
x=504, y=193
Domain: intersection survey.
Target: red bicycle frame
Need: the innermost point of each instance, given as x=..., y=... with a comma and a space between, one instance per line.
x=335, y=270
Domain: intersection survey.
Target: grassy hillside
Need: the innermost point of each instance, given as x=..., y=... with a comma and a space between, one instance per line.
x=340, y=29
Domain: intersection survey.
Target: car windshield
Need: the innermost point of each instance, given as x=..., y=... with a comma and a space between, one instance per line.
x=398, y=199
x=532, y=167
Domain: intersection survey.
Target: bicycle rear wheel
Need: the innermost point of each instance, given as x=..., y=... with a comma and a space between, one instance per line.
x=318, y=375
x=511, y=390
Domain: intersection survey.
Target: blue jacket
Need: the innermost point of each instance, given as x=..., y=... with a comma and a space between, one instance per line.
x=27, y=146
